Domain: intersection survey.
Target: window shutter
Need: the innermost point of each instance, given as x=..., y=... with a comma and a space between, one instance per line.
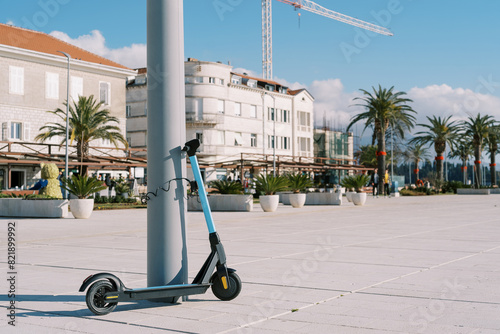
x=26, y=129
x=5, y=131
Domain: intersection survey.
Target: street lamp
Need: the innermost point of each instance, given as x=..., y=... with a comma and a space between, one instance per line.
x=274, y=132
x=67, y=124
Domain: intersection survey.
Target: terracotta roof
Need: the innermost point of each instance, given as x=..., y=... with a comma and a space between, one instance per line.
x=41, y=42
x=257, y=79
x=142, y=70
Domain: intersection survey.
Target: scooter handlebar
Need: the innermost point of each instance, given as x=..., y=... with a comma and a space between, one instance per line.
x=191, y=146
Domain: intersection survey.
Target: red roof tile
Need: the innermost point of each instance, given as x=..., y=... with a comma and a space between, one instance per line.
x=41, y=42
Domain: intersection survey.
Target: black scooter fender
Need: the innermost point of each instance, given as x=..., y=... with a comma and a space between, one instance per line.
x=117, y=283
x=215, y=274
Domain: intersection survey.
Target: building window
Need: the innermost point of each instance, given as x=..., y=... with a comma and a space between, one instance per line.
x=304, y=144
x=220, y=106
x=76, y=88
x=211, y=80
x=199, y=136
x=128, y=110
x=16, y=80
x=221, y=82
x=52, y=85
x=104, y=93
x=270, y=114
x=253, y=111
x=220, y=139
x=237, y=109
x=15, y=130
x=286, y=143
x=238, y=139
x=253, y=140
x=198, y=79
x=304, y=121
x=270, y=141
x=235, y=80
x=146, y=109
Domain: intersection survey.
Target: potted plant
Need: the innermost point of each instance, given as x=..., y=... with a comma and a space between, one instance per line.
x=297, y=183
x=348, y=183
x=228, y=196
x=122, y=189
x=82, y=187
x=358, y=182
x=269, y=185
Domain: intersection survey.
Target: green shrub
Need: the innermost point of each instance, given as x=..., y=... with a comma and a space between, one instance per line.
x=227, y=187
x=452, y=186
x=299, y=182
x=82, y=186
x=270, y=185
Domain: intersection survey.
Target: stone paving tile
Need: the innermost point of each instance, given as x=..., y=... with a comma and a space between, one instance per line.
x=373, y=269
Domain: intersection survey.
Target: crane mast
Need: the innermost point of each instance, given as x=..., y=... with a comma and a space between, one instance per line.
x=267, y=44
x=267, y=40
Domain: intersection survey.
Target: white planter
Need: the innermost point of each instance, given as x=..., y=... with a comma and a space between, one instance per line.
x=284, y=197
x=18, y=207
x=269, y=203
x=297, y=200
x=223, y=203
x=348, y=196
x=324, y=199
x=472, y=191
x=358, y=198
x=81, y=208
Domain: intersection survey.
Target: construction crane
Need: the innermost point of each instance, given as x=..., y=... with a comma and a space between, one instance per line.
x=267, y=39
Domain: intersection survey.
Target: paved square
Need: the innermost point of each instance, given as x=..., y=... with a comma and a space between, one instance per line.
x=398, y=265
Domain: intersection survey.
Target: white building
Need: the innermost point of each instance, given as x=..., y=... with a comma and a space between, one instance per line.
x=232, y=114
x=33, y=77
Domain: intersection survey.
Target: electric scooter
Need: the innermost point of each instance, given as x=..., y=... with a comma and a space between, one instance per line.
x=106, y=290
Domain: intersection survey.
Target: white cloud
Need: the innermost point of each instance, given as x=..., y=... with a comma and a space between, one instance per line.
x=10, y=23
x=333, y=103
x=133, y=56
x=460, y=103
x=242, y=70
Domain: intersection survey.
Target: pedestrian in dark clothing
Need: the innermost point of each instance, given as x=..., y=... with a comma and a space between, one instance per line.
x=374, y=182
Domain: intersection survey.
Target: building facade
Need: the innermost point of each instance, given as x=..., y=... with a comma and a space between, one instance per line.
x=232, y=114
x=33, y=80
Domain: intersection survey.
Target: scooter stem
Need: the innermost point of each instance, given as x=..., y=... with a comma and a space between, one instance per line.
x=190, y=148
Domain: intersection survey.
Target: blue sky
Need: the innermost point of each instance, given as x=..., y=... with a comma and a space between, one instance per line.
x=445, y=54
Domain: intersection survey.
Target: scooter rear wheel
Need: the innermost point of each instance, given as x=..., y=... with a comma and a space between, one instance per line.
x=226, y=294
x=95, y=298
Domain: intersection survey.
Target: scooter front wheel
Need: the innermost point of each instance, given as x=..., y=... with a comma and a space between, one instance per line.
x=226, y=294
x=95, y=298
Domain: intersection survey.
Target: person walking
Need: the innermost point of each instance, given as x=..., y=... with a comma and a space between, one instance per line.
x=374, y=182
x=386, y=184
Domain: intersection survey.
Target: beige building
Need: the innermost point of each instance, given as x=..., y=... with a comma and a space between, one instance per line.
x=33, y=79
x=232, y=114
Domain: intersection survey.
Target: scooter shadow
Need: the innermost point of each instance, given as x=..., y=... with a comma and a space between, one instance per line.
x=133, y=306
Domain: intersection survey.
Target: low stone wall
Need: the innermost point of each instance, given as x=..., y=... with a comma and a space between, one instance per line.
x=471, y=191
x=18, y=207
x=223, y=203
x=324, y=198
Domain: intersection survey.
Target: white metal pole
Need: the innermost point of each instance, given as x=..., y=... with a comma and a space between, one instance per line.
x=65, y=195
x=274, y=136
x=166, y=219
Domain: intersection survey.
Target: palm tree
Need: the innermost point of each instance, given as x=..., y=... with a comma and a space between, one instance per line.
x=478, y=129
x=492, y=142
x=86, y=123
x=384, y=108
x=463, y=150
x=440, y=132
x=416, y=152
